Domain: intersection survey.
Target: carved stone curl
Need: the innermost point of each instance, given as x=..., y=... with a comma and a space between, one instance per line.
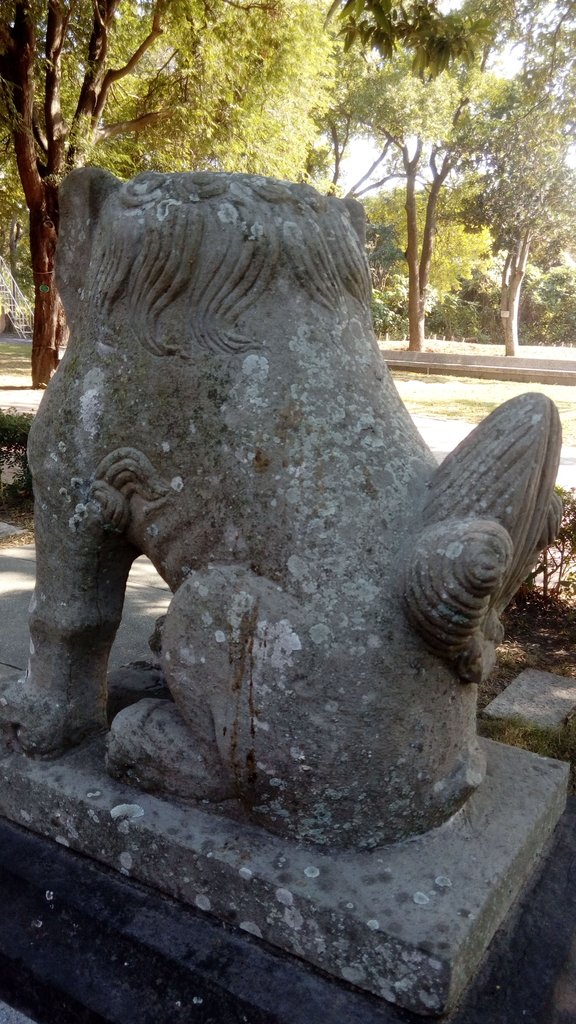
x=453, y=572
x=463, y=569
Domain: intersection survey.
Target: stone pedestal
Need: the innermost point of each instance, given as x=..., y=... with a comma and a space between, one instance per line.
x=409, y=922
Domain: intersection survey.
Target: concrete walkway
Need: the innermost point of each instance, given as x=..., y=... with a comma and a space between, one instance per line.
x=147, y=597
x=442, y=436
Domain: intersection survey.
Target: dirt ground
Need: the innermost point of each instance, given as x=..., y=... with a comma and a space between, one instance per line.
x=538, y=634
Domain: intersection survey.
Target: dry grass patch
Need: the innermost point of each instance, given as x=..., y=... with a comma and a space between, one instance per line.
x=471, y=399
x=15, y=366
x=558, y=743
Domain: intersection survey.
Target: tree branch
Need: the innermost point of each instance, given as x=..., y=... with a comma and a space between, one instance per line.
x=354, y=190
x=252, y=6
x=116, y=74
x=352, y=194
x=54, y=122
x=136, y=124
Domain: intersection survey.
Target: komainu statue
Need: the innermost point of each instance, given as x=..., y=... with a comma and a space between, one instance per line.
x=223, y=407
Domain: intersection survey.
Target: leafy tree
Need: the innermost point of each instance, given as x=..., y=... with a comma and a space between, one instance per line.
x=422, y=128
x=549, y=314
x=119, y=81
x=524, y=188
x=458, y=250
x=436, y=40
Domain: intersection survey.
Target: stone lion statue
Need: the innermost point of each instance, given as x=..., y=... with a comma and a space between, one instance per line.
x=223, y=408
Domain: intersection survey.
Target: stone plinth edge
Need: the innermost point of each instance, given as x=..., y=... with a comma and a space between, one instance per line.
x=409, y=922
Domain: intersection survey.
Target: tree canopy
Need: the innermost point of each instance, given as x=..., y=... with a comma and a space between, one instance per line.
x=139, y=84
x=435, y=39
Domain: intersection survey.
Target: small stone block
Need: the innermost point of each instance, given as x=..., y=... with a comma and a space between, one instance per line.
x=7, y=530
x=539, y=698
x=409, y=922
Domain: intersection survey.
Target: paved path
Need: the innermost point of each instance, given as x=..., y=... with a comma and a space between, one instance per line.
x=147, y=597
x=442, y=436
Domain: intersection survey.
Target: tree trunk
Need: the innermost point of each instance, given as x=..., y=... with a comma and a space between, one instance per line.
x=416, y=305
x=46, y=151
x=43, y=236
x=512, y=278
x=14, y=238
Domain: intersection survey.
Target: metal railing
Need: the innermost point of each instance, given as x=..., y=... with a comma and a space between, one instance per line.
x=14, y=303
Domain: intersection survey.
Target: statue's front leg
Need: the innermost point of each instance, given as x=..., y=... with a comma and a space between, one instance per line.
x=74, y=614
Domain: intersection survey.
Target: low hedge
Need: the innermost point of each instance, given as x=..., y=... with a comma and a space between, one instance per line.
x=15, y=479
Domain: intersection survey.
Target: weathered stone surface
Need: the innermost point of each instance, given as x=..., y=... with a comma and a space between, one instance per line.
x=409, y=922
x=223, y=407
x=131, y=683
x=540, y=698
x=109, y=949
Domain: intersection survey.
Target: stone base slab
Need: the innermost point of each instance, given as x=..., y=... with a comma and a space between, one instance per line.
x=539, y=698
x=409, y=923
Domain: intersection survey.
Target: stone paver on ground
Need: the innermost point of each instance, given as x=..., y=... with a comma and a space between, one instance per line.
x=7, y=530
x=539, y=698
x=10, y=1016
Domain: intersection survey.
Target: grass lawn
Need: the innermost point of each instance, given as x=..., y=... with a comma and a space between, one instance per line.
x=471, y=398
x=15, y=366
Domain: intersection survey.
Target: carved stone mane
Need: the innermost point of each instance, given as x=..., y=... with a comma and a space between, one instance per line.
x=183, y=286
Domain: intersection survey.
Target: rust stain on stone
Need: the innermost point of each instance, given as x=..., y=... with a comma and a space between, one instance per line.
x=261, y=461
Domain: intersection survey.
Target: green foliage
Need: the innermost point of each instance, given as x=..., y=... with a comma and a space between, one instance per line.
x=248, y=105
x=15, y=479
x=454, y=317
x=472, y=310
x=223, y=86
x=383, y=252
x=555, y=574
x=458, y=252
x=549, y=309
x=436, y=40
x=389, y=308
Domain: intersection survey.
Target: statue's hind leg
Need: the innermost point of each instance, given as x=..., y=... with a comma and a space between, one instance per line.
x=226, y=631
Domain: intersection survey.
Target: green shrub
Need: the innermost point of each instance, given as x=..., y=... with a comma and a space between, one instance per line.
x=390, y=307
x=548, y=315
x=555, y=573
x=15, y=479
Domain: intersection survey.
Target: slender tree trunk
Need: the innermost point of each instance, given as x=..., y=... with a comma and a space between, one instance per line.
x=47, y=306
x=14, y=240
x=420, y=259
x=46, y=149
x=512, y=278
x=415, y=305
